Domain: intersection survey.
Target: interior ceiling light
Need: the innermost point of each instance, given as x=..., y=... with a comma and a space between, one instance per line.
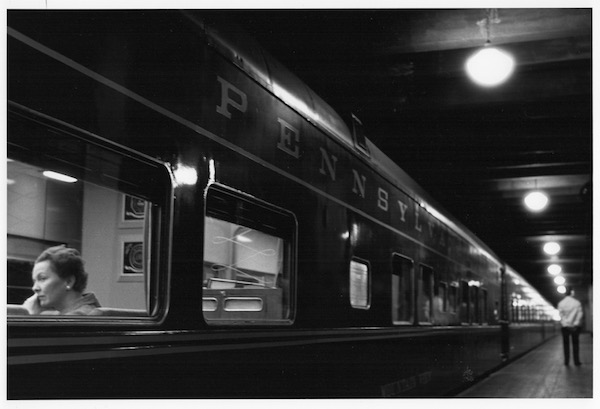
x=536, y=201
x=551, y=248
x=561, y=289
x=489, y=66
x=554, y=269
x=59, y=176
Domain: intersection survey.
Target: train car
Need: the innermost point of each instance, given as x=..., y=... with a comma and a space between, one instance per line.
x=242, y=239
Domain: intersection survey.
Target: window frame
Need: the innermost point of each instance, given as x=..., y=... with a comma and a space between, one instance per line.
x=290, y=235
x=358, y=136
x=367, y=266
x=157, y=228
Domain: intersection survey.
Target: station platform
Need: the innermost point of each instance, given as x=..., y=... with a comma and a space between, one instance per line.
x=540, y=373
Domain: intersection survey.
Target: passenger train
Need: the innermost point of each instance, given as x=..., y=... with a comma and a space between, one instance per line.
x=242, y=238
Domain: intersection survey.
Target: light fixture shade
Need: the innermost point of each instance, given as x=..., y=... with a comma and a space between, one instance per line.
x=490, y=66
x=554, y=269
x=536, y=201
x=551, y=248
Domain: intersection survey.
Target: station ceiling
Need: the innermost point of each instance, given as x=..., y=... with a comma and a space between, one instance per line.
x=476, y=150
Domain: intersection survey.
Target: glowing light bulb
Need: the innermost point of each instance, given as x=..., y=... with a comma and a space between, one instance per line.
x=490, y=66
x=185, y=175
x=554, y=269
x=59, y=176
x=551, y=248
x=536, y=201
x=561, y=289
x=560, y=280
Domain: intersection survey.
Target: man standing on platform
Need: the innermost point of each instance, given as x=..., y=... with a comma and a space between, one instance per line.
x=571, y=315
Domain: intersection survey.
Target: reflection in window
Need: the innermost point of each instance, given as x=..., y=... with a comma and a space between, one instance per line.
x=107, y=203
x=359, y=284
x=240, y=257
x=45, y=212
x=247, y=264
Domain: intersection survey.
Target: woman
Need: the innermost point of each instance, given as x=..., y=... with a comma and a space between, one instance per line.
x=59, y=281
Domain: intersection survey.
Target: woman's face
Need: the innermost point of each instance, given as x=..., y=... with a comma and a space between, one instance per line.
x=50, y=288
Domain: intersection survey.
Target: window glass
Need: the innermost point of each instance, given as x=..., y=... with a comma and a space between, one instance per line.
x=402, y=290
x=514, y=308
x=474, y=304
x=441, y=297
x=483, y=305
x=465, y=312
x=453, y=297
x=360, y=141
x=425, y=298
x=90, y=205
x=248, y=268
x=359, y=284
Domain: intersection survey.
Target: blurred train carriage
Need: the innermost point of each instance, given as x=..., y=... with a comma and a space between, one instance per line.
x=243, y=240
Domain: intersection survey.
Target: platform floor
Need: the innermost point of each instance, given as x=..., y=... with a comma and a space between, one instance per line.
x=541, y=373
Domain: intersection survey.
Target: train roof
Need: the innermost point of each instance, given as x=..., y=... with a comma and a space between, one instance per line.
x=232, y=42
x=247, y=54
x=243, y=51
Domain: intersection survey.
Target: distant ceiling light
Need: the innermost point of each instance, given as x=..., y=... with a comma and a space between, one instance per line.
x=490, y=66
x=554, y=269
x=561, y=289
x=551, y=248
x=536, y=201
x=59, y=176
x=560, y=280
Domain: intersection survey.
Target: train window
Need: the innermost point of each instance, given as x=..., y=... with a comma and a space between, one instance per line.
x=425, y=295
x=249, y=252
x=441, y=296
x=360, y=284
x=74, y=197
x=514, y=308
x=402, y=290
x=465, y=313
x=483, y=306
x=360, y=141
x=474, y=304
x=453, y=297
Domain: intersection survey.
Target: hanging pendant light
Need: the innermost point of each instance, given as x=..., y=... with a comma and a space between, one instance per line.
x=490, y=66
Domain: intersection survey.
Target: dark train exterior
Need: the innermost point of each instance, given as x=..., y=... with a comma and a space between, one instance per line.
x=243, y=240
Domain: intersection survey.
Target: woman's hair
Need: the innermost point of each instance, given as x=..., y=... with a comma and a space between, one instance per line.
x=66, y=262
